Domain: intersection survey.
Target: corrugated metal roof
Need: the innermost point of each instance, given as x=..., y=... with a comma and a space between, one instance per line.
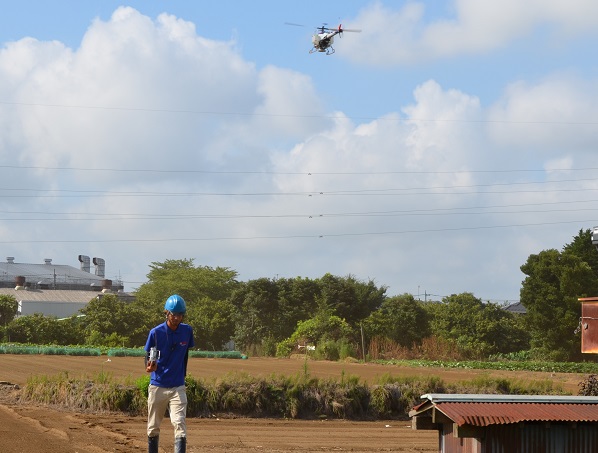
x=46, y=273
x=486, y=410
x=59, y=295
x=485, y=414
x=50, y=295
x=491, y=398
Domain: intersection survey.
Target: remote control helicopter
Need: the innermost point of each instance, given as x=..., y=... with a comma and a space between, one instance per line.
x=323, y=38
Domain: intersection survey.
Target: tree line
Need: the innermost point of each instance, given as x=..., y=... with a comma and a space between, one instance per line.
x=338, y=316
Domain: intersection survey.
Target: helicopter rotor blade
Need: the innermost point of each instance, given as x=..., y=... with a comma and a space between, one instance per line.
x=294, y=25
x=352, y=30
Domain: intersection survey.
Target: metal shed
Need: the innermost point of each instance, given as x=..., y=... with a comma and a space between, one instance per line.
x=510, y=423
x=588, y=324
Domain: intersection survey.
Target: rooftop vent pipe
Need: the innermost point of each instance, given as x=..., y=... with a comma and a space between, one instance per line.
x=84, y=260
x=100, y=265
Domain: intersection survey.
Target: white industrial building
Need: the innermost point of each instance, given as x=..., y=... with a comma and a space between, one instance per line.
x=56, y=289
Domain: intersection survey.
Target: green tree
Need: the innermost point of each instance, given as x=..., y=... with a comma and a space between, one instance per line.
x=8, y=309
x=581, y=246
x=350, y=298
x=107, y=316
x=319, y=331
x=479, y=329
x=554, y=281
x=268, y=310
x=212, y=322
x=40, y=329
x=401, y=319
x=297, y=301
x=182, y=277
x=256, y=313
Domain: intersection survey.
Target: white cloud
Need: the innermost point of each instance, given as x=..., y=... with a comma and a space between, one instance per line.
x=405, y=36
x=557, y=114
x=135, y=88
x=250, y=171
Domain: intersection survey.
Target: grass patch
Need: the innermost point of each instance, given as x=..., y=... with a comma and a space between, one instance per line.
x=506, y=365
x=98, y=394
x=298, y=396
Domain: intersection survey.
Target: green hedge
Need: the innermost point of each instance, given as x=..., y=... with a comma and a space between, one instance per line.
x=140, y=352
x=113, y=352
x=551, y=367
x=49, y=350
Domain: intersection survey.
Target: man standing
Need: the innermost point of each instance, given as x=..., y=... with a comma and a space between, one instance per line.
x=167, y=349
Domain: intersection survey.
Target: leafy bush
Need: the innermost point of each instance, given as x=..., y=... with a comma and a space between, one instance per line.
x=589, y=386
x=521, y=356
x=142, y=384
x=285, y=348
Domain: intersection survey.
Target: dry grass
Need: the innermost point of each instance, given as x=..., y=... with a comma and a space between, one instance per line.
x=431, y=348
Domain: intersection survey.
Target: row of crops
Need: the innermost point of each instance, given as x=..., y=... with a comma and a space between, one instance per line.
x=112, y=352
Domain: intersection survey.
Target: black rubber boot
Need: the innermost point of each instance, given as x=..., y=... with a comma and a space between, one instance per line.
x=152, y=444
x=180, y=445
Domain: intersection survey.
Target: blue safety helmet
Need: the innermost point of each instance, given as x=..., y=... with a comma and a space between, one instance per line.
x=175, y=304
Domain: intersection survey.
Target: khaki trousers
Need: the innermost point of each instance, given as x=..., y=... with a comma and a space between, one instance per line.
x=175, y=400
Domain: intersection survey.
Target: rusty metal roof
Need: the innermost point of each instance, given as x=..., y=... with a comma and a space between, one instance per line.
x=485, y=414
x=485, y=410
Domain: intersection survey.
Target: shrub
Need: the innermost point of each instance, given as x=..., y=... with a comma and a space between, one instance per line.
x=589, y=386
x=285, y=348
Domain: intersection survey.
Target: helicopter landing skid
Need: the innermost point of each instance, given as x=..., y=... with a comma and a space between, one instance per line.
x=329, y=50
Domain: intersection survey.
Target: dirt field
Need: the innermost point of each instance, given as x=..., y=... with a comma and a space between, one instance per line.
x=26, y=428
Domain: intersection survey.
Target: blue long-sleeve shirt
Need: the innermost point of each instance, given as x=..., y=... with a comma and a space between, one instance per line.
x=174, y=348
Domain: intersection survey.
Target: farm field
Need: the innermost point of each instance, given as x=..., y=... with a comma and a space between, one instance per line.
x=29, y=428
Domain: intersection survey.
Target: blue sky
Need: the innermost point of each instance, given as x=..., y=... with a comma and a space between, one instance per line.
x=433, y=152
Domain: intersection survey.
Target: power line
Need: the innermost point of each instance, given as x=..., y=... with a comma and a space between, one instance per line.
x=76, y=217
x=295, y=236
x=340, y=214
x=289, y=115
x=74, y=193
x=304, y=173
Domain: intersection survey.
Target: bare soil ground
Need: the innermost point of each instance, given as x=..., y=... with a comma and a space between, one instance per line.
x=31, y=428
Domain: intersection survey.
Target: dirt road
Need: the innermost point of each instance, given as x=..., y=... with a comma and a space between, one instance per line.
x=28, y=428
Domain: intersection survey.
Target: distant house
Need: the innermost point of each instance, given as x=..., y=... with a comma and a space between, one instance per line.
x=516, y=308
x=56, y=289
x=509, y=423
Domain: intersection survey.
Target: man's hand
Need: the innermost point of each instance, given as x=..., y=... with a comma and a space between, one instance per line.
x=151, y=366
